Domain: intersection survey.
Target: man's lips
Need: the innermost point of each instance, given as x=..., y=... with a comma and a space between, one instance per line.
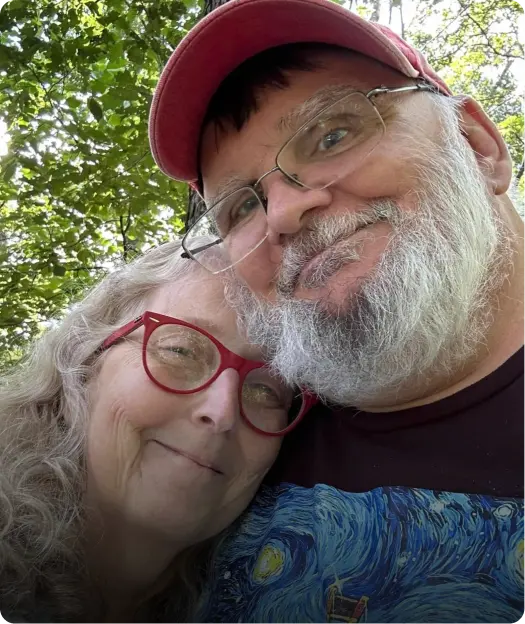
x=334, y=253
x=196, y=460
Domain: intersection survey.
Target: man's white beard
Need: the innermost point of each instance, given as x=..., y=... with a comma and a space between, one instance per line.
x=421, y=314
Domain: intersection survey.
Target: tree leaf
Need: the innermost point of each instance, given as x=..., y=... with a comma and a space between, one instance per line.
x=9, y=171
x=95, y=109
x=59, y=270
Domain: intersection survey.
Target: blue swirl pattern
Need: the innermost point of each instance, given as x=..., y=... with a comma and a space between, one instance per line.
x=393, y=554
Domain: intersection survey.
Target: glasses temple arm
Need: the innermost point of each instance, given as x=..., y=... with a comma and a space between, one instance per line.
x=418, y=86
x=122, y=332
x=192, y=252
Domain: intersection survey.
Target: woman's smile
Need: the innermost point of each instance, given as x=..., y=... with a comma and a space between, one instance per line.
x=197, y=460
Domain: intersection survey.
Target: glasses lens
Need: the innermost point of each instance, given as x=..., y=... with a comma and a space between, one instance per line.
x=237, y=224
x=268, y=403
x=181, y=358
x=333, y=143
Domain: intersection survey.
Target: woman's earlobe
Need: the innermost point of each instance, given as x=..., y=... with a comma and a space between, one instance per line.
x=487, y=143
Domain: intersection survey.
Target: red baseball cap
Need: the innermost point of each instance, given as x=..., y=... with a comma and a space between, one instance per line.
x=239, y=30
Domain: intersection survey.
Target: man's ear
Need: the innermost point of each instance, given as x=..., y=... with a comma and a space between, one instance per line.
x=487, y=143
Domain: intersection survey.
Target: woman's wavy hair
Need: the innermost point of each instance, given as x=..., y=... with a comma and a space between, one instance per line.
x=43, y=423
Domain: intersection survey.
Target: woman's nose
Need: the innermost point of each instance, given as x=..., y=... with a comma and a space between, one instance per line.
x=288, y=205
x=218, y=404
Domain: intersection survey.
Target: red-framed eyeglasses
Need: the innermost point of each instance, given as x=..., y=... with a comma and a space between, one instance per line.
x=182, y=358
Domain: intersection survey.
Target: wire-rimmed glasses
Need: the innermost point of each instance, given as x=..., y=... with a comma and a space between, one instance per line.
x=182, y=358
x=328, y=147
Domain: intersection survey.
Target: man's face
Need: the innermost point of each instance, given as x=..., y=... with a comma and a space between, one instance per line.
x=291, y=210
x=374, y=290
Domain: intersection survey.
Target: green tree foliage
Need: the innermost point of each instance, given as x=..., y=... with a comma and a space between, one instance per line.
x=79, y=191
x=476, y=49
x=78, y=187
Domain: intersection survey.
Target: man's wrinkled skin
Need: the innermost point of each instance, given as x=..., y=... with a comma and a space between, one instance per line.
x=423, y=301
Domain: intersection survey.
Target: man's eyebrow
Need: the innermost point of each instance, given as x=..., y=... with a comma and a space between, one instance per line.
x=225, y=187
x=290, y=122
x=299, y=115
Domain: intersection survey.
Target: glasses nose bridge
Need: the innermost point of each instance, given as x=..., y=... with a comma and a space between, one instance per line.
x=262, y=195
x=257, y=187
x=265, y=175
x=236, y=362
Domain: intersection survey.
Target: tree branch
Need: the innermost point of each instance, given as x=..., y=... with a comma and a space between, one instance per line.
x=126, y=245
x=402, y=19
x=489, y=42
x=519, y=174
x=51, y=103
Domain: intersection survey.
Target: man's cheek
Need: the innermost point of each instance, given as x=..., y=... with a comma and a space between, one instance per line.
x=259, y=270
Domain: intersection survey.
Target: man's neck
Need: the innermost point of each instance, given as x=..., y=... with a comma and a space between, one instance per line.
x=504, y=338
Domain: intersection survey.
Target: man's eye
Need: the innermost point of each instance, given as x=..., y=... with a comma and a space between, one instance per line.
x=333, y=138
x=243, y=210
x=327, y=138
x=235, y=211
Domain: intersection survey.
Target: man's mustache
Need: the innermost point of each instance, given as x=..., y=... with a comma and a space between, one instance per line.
x=319, y=236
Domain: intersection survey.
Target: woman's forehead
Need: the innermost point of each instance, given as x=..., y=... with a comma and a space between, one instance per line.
x=197, y=294
x=199, y=299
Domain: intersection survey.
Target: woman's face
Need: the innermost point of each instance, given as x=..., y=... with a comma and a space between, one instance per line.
x=181, y=466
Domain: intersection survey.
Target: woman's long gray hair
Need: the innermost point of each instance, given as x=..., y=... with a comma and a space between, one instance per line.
x=43, y=417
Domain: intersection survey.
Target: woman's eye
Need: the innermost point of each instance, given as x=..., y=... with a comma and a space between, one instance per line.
x=261, y=394
x=178, y=350
x=176, y=353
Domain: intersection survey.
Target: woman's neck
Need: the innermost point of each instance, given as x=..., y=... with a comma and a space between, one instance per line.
x=128, y=564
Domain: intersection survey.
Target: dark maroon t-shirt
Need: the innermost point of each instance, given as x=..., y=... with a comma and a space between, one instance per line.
x=409, y=516
x=469, y=442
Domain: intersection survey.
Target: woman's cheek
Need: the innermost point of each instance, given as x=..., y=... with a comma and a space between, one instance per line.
x=114, y=452
x=261, y=452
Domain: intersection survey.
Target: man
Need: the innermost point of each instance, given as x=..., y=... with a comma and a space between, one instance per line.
x=378, y=257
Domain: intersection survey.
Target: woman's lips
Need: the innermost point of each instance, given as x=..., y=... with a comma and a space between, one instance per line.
x=196, y=460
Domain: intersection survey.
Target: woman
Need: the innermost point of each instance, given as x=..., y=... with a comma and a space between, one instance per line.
x=133, y=435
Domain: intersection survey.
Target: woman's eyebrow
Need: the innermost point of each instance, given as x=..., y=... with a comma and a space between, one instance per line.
x=205, y=323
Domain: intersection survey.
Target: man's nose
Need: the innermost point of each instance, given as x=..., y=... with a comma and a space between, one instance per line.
x=288, y=205
x=218, y=404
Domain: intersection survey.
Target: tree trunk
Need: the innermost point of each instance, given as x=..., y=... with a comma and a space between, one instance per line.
x=210, y=5
x=376, y=8
x=519, y=175
x=195, y=203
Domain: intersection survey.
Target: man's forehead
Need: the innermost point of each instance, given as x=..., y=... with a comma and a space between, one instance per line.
x=282, y=112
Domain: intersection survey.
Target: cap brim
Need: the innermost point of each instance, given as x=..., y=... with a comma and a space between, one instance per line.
x=222, y=41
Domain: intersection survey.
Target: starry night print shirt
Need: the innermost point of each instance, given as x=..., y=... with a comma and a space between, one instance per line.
x=410, y=516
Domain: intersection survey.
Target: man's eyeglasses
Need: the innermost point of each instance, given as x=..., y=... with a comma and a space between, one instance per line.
x=325, y=149
x=182, y=358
